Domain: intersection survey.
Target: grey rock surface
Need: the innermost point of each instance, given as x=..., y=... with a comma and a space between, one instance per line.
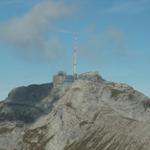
x=91, y=114
x=25, y=103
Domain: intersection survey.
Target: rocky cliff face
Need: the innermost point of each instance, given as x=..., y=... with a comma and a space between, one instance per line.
x=90, y=114
x=25, y=103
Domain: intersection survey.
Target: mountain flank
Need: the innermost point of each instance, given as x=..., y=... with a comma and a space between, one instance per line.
x=89, y=113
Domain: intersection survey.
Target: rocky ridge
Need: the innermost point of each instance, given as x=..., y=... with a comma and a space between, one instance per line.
x=90, y=114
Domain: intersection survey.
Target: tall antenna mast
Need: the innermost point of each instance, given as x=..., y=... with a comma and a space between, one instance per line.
x=75, y=55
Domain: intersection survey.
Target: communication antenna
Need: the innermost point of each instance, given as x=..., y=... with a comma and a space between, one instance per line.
x=75, y=56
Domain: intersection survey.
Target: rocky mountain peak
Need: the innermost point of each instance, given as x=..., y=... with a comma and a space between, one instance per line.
x=91, y=113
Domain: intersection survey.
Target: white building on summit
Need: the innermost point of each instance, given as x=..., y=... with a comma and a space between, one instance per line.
x=62, y=79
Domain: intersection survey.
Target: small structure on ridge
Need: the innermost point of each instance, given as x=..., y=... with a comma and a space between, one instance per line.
x=62, y=79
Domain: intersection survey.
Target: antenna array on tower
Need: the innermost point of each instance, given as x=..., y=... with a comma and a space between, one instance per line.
x=75, y=55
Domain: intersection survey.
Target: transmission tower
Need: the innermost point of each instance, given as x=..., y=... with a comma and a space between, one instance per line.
x=75, y=49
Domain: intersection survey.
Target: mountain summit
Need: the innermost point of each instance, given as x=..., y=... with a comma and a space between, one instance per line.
x=89, y=113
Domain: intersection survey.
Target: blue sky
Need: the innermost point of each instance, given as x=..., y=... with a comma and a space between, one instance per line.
x=36, y=40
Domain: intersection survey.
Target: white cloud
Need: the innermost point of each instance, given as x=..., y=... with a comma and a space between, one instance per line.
x=100, y=48
x=115, y=34
x=54, y=48
x=10, y=2
x=128, y=6
x=28, y=33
